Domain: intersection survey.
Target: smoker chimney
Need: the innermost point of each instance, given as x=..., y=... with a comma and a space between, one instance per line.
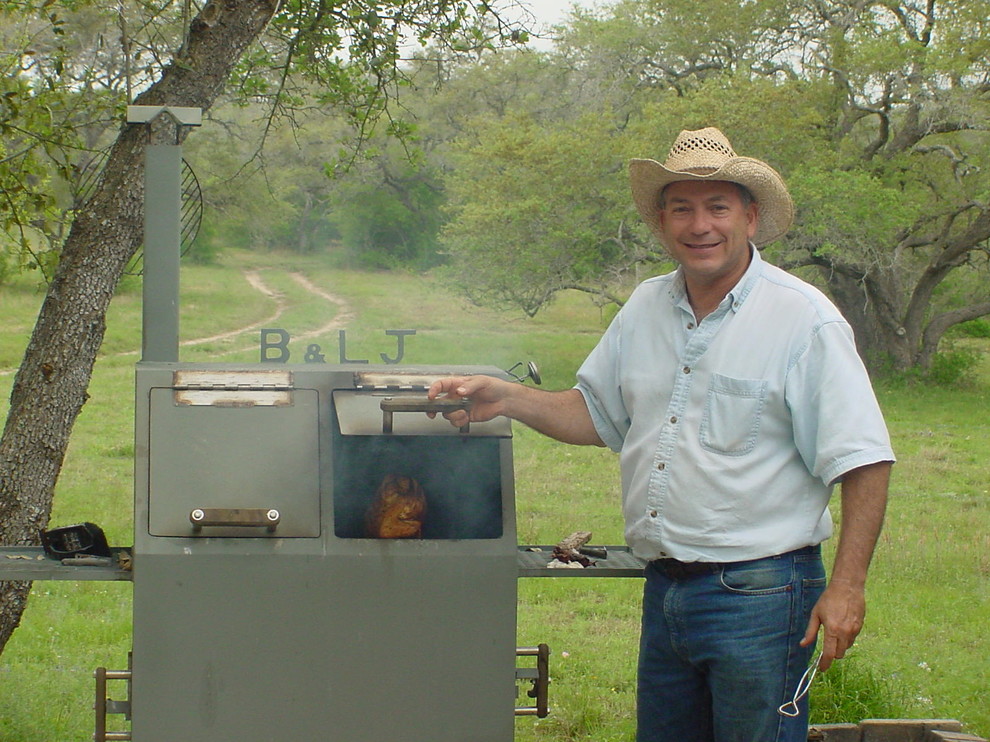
x=162, y=235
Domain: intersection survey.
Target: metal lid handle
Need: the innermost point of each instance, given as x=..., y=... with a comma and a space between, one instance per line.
x=390, y=405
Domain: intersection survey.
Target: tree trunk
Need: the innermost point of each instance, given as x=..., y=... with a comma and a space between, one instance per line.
x=887, y=337
x=50, y=387
x=869, y=305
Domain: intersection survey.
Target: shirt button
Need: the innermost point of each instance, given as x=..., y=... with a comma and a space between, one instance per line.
x=690, y=325
x=661, y=466
x=653, y=513
x=687, y=369
x=673, y=419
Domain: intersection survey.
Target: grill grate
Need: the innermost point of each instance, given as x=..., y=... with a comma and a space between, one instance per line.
x=619, y=563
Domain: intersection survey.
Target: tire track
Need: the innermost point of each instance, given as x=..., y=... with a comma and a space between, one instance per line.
x=253, y=277
x=344, y=316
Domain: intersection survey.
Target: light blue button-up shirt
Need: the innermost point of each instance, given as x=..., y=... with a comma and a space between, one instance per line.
x=732, y=431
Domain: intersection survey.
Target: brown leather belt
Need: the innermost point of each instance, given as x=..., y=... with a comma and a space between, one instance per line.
x=675, y=569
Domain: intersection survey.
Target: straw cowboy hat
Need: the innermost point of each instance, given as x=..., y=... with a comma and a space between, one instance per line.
x=707, y=155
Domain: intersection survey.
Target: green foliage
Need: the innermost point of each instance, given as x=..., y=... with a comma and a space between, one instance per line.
x=204, y=250
x=534, y=211
x=61, y=96
x=848, y=216
x=778, y=121
x=4, y=267
x=349, y=59
x=379, y=210
x=27, y=192
x=874, y=116
x=975, y=328
x=851, y=690
x=647, y=43
x=954, y=365
x=391, y=222
x=69, y=66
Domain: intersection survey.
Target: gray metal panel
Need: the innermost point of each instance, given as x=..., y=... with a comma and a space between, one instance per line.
x=401, y=644
x=331, y=639
x=162, y=235
x=234, y=457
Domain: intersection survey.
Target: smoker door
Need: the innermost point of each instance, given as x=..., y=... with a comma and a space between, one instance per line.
x=234, y=459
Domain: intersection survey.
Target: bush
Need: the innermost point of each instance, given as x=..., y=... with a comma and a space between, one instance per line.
x=382, y=228
x=975, y=328
x=954, y=366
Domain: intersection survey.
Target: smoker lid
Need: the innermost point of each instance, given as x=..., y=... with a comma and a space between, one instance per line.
x=360, y=413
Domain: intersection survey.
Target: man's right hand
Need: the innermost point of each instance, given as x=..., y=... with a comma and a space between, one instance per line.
x=485, y=392
x=560, y=415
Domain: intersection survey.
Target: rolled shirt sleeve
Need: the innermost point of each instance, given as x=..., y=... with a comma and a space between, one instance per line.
x=838, y=425
x=598, y=382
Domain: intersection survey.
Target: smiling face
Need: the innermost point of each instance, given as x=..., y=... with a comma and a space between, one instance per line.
x=706, y=227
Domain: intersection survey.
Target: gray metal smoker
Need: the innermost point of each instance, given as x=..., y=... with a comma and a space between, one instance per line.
x=262, y=609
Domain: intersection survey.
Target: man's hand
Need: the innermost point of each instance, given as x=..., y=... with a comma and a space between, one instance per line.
x=842, y=607
x=562, y=415
x=485, y=392
x=840, y=612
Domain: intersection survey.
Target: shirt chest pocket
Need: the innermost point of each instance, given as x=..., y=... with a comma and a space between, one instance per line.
x=731, y=419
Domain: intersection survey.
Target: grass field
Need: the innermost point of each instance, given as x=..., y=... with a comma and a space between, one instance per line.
x=923, y=651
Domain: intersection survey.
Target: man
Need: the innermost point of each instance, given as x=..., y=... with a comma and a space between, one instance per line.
x=735, y=396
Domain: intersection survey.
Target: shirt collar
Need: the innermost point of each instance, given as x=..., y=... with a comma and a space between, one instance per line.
x=741, y=290
x=737, y=294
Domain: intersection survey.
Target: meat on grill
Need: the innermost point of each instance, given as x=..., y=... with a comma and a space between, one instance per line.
x=397, y=510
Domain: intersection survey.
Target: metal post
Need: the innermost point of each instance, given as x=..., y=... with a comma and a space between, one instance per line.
x=162, y=234
x=100, y=707
x=103, y=705
x=162, y=196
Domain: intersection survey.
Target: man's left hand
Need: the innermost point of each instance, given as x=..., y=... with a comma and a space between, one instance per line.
x=840, y=612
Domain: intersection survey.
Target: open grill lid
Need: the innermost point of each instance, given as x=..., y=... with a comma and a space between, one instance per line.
x=387, y=403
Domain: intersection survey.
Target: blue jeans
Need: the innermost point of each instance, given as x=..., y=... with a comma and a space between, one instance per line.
x=719, y=652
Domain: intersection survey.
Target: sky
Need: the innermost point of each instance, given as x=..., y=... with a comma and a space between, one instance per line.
x=549, y=12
